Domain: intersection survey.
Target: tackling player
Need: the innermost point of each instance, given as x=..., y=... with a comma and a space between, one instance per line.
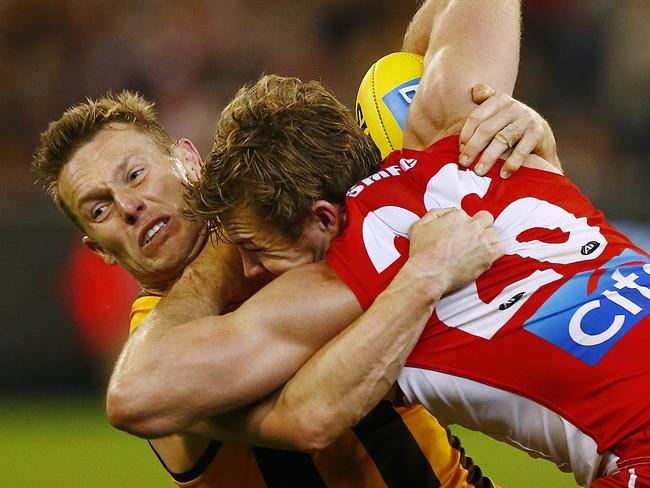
x=126, y=193
x=155, y=274
x=547, y=346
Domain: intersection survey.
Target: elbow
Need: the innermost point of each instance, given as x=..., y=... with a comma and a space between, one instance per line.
x=313, y=431
x=122, y=413
x=138, y=416
x=312, y=440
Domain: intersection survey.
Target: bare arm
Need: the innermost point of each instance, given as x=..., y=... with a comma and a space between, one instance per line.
x=495, y=112
x=418, y=32
x=470, y=42
x=345, y=379
x=243, y=356
x=169, y=376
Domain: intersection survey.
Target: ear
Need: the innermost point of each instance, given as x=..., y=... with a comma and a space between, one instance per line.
x=97, y=249
x=330, y=216
x=190, y=158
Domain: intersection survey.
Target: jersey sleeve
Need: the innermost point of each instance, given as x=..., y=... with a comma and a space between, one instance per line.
x=140, y=309
x=351, y=258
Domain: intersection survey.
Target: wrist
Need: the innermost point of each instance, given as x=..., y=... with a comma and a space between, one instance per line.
x=423, y=284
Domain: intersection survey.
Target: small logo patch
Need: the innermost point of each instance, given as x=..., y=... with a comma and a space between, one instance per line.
x=590, y=247
x=512, y=301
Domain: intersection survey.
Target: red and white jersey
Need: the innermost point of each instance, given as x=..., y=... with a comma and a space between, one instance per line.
x=544, y=350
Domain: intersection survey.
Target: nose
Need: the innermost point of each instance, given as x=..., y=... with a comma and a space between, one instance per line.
x=129, y=206
x=252, y=266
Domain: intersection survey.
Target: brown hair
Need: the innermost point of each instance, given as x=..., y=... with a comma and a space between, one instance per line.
x=79, y=124
x=280, y=145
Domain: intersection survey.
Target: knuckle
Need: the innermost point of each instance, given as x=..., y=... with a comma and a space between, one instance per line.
x=499, y=250
x=501, y=97
x=528, y=118
x=488, y=129
x=474, y=119
x=478, y=228
x=517, y=156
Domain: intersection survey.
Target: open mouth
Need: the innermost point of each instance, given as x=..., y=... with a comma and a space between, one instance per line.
x=153, y=231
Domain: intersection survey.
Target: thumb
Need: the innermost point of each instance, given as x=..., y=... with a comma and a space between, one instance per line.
x=435, y=213
x=481, y=92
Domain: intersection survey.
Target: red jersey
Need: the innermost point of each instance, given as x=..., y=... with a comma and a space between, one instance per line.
x=561, y=321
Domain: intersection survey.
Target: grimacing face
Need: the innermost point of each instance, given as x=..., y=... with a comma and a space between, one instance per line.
x=128, y=196
x=264, y=248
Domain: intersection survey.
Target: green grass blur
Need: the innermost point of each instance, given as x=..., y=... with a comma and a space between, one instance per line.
x=56, y=442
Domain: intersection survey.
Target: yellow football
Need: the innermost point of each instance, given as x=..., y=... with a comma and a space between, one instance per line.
x=384, y=96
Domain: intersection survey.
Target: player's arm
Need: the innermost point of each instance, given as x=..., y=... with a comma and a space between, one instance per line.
x=178, y=453
x=469, y=42
x=215, y=364
x=169, y=375
x=418, y=32
x=345, y=379
x=496, y=111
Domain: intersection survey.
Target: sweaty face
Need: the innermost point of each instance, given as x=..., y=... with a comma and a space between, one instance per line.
x=128, y=196
x=264, y=248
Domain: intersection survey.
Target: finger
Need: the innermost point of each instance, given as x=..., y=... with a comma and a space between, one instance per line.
x=481, y=92
x=431, y=216
x=485, y=133
x=492, y=153
x=491, y=235
x=498, y=250
x=485, y=218
x=481, y=113
x=436, y=213
x=522, y=150
x=485, y=110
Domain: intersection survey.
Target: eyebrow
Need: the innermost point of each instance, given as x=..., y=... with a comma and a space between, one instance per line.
x=98, y=194
x=241, y=240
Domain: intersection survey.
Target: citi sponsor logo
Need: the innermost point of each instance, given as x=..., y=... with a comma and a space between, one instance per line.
x=405, y=164
x=587, y=325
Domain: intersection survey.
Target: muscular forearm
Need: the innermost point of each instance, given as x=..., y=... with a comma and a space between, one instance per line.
x=167, y=378
x=447, y=250
x=345, y=379
x=469, y=42
x=416, y=39
x=141, y=374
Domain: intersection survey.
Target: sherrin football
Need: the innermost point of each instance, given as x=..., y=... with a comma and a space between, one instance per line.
x=384, y=96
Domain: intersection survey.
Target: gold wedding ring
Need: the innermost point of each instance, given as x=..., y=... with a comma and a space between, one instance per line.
x=509, y=135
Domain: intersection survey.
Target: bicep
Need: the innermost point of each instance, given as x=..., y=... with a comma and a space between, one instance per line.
x=283, y=325
x=470, y=42
x=168, y=378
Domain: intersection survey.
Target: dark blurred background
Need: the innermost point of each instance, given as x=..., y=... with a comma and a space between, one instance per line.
x=585, y=65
